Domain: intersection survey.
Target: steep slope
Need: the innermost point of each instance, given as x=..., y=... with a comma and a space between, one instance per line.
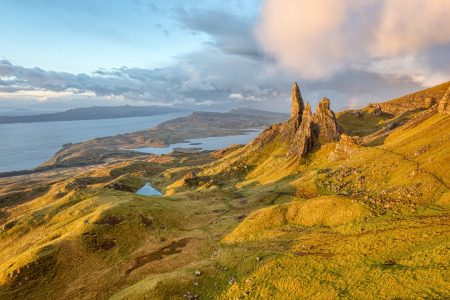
x=345, y=219
x=421, y=99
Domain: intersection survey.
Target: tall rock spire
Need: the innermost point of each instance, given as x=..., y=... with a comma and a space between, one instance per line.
x=297, y=104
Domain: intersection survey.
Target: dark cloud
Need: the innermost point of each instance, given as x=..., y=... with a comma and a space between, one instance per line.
x=230, y=33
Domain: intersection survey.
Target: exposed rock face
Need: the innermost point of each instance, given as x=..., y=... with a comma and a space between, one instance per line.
x=304, y=139
x=377, y=110
x=303, y=130
x=414, y=101
x=326, y=127
x=444, y=104
x=297, y=106
x=291, y=126
x=315, y=129
x=346, y=148
x=430, y=102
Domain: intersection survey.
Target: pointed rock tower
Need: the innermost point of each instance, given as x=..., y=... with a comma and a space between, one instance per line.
x=313, y=129
x=297, y=106
x=291, y=126
x=303, y=131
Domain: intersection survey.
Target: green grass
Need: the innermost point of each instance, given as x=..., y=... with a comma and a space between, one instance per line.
x=371, y=225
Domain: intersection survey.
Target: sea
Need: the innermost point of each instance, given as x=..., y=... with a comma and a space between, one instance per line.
x=24, y=146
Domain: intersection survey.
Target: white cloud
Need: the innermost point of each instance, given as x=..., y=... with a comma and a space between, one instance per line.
x=236, y=96
x=319, y=38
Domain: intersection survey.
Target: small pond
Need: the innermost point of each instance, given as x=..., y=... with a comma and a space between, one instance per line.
x=147, y=190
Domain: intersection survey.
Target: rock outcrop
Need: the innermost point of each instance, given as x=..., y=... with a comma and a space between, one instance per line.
x=291, y=126
x=314, y=129
x=346, y=148
x=377, y=110
x=297, y=106
x=304, y=130
x=414, y=101
x=429, y=102
x=325, y=125
x=444, y=104
x=304, y=139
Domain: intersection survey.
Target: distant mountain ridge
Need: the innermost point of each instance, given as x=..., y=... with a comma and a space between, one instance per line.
x=93, y=113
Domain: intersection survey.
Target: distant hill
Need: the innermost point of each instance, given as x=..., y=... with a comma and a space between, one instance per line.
x=93, y=113
x=197, y=125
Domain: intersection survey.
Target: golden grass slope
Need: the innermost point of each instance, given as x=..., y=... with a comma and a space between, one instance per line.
x=373, y=224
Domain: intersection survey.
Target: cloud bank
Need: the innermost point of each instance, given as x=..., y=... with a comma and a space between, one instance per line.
x=317, y=39
x=353, y=52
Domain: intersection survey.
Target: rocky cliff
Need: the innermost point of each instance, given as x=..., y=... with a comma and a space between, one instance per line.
x=421, y=99
x=444, y=104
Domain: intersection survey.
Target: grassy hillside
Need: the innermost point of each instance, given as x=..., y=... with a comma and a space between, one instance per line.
x=366, y=218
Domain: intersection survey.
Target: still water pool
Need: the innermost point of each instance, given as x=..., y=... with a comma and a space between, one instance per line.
x=147, y=190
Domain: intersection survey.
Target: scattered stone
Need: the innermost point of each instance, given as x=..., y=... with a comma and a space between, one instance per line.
x=258, y=258
x=358, y=113
x=196, y=283
x=118, y=187
x=198, y=272
x=391, y=125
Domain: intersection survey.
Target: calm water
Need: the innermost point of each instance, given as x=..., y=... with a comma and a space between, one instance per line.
x=210, y=143
x=147, y=190
x=26, y=145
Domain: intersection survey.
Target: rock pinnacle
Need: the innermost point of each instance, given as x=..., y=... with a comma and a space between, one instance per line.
x=297, y=103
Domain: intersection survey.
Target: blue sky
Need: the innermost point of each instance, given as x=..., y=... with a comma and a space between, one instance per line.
x=84, y=35
x=218, y=54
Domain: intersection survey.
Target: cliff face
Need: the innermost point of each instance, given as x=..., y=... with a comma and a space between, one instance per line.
x=304, y=138
x=444, y=104
x=421, y=99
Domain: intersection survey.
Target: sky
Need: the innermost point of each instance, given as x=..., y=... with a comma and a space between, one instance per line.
x=217, y=55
